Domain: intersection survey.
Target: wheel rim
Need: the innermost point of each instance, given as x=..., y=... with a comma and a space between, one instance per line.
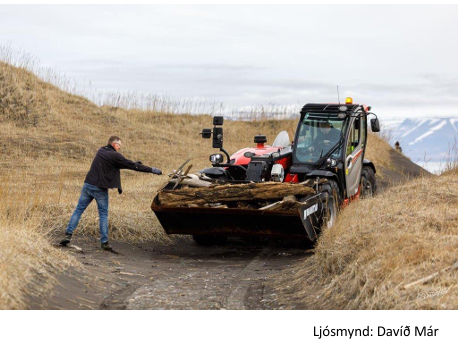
x=366, y=186
x=330, y=216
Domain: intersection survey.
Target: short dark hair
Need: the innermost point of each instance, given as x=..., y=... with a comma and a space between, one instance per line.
x=113, y=138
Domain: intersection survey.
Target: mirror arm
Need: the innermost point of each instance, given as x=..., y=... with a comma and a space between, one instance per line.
x=372, y=114
x=227, y=155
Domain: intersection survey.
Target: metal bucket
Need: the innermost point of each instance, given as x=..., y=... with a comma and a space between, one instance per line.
x=301, y=223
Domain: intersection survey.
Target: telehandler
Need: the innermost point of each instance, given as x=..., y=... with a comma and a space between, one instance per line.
x=287, y=189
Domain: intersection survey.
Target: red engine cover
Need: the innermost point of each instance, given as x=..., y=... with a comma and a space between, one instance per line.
x=240, y=159
x=259, y=150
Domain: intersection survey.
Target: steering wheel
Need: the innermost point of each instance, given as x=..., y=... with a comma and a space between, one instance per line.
x=305, y=155
x=325, y=144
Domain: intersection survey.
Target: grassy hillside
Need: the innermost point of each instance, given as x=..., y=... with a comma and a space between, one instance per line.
x=48, y=140
x=380, y=245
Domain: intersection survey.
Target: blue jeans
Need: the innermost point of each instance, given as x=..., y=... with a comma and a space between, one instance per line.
x=88, y=193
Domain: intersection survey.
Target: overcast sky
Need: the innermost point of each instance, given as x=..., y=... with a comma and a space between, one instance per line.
x=401, y=60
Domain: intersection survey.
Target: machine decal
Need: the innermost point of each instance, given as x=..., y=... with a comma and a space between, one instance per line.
x=309, y=211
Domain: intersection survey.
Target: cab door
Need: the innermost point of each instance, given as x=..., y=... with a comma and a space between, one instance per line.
x=356, y=142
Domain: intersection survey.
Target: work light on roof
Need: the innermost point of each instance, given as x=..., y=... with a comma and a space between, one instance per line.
x=348, y=100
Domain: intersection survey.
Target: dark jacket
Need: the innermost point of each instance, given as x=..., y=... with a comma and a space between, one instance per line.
x=105, y=167
x=333, y=136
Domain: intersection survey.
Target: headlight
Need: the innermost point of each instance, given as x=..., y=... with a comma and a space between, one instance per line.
x=278, y=173
x=331, y=162
x=216, y=158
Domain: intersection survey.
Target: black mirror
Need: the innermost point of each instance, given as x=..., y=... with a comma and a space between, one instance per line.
x=217, y=137
x=218, y=120
x=206, y=133
x=375, y=125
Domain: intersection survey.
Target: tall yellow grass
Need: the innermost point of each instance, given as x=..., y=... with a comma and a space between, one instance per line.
x=27, y=260
x=380, y=245
x=48, y=140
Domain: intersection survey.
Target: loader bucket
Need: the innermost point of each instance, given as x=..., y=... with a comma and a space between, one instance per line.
x=235, y=222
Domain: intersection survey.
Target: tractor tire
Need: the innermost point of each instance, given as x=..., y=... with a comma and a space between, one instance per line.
x=329, y=211
x=368, y=182
x=209, y=240
x=330, y=203
x=332, y=188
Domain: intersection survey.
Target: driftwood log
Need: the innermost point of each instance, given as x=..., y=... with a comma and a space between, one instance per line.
x=268, y=191
x=192, y=181
x=287, y=203
x=432, y=276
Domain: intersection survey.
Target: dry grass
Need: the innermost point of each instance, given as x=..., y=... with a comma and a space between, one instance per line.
x=378, y=152
x=411, y=232
x=26, y=255
x=50, y=137
x=48, y=140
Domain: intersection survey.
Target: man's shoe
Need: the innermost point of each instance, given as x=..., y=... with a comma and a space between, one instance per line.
x=106, y=247
x=66, y=240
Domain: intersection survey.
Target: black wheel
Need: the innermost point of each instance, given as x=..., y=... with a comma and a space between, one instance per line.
x=330, y=203
x=368, y=183
x=329, y=211
x=208, y=240
x=332, y=189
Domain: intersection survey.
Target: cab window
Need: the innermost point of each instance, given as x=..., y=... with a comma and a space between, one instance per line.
x=355, y=136
x=363, y=131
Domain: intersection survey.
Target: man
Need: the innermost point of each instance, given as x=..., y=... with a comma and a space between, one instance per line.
x=103, y=175
x=327, y=136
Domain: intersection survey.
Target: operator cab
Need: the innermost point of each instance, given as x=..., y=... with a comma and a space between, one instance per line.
x=321, y=135
x=317, y=136
x=330, y=142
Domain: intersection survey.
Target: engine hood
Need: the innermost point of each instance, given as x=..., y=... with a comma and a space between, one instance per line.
x=240, y=159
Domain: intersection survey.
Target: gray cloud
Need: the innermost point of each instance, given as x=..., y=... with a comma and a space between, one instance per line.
x=398, y=59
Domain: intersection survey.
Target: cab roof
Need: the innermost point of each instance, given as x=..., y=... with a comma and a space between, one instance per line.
x=327, y=107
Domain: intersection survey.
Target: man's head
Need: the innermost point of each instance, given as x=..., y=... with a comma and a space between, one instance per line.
x=115, y=142
x=325, y=127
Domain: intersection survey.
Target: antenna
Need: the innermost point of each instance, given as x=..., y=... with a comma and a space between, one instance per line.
x=338, y=96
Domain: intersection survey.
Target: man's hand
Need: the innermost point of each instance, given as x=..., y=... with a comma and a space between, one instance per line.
x=156, y=171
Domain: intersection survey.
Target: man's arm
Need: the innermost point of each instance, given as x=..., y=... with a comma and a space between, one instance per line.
x=123, y=163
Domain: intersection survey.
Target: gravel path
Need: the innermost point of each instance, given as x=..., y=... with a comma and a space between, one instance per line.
x=179, y=276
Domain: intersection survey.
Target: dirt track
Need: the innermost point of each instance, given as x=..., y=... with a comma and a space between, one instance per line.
x=185, y=275
x=179, y=276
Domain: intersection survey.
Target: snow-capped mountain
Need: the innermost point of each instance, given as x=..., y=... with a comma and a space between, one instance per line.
x=424, y=139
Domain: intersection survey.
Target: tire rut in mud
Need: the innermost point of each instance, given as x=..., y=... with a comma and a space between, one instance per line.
x=182, y=275
x=235, y=282
x=118, y=300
